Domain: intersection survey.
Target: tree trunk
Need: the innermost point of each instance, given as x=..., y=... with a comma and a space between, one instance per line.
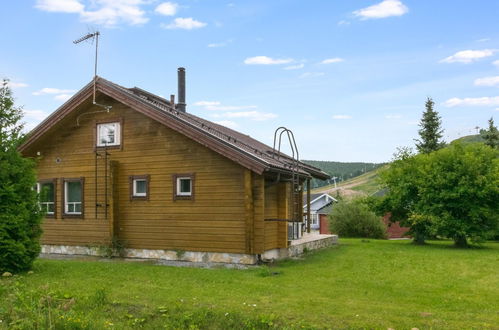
x=419, y=238
x=460, y=241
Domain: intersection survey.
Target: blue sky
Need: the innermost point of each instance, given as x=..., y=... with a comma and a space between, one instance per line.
x=350, y=78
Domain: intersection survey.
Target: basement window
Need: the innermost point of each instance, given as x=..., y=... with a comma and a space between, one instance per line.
x=73, y=197
x=46, y=196
x=108, y=134
x=139, y=187
x=183, y=186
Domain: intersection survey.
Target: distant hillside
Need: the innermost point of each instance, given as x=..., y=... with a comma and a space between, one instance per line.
x=470, y=139
x=342, y=171
x=362, y=185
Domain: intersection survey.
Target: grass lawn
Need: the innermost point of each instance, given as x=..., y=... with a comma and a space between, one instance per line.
x=374, y=284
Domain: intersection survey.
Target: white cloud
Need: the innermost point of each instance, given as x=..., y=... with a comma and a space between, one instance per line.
x=343, y=22
x=342, y=117
x=386, y=8
x=63, y=97
x=487, y=81
x=220, y=44
x=206, y=103
x=311, y=74
x=36, y=115
x=472, y=101
x=167, y=8
x=252, y=115
x=483, y=40
x=60, y=6
x=108, y=12
x=496, y=63
x=230, y=107
x=393, y=116
x=227, y=123
x=468, y=56
x=332, y=60
x=48, y=90
x=16, y=84
x=217, y=44
x=183, y=23
x=265, y=60
x=217, y=106
x=294, y=67
x=114, y=12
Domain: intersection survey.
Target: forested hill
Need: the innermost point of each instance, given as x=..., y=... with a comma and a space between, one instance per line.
x=342, y=171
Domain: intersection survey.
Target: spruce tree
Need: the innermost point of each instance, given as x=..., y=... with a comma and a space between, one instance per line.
x=491, y=136
x=430, y=132
x=20, y=214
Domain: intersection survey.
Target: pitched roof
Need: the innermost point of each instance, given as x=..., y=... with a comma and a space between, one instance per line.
x=239, y=147
x=313, y=197
x=326, y=209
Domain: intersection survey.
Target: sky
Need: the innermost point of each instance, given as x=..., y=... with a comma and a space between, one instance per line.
x=349, y=78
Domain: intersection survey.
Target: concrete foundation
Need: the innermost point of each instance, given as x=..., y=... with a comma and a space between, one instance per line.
x=308, y=242
x=297, y=247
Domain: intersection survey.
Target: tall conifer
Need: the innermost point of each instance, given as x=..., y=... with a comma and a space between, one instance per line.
x=430, y=131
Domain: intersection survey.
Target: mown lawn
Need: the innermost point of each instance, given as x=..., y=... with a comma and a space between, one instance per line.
x=359, y=284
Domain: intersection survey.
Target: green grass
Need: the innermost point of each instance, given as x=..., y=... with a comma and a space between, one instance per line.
x=370, y=284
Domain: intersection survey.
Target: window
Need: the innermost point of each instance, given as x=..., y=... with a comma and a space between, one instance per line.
x=315, y=219
x=183, y=186
x=108, y=134
x=139, y=187
x=73, y=197
x=46, y=193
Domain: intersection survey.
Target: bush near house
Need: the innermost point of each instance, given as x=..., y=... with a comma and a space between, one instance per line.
x=352, y=218
x=20, y=215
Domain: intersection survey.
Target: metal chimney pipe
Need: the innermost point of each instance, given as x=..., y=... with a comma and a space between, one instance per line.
x=181, y=89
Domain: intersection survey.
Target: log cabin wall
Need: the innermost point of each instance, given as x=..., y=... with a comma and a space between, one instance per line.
x=214, y=220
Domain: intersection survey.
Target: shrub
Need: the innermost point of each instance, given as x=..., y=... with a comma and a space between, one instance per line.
x=352, y=218
x=20, y=215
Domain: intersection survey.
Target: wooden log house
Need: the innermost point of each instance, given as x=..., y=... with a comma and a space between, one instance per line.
x=123, y=165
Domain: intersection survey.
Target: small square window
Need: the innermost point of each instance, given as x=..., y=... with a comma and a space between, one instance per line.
x=108, y=134
x=139, y=187
x=183, y=186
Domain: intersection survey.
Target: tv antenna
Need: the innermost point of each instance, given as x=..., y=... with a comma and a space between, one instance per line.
x=92, y=37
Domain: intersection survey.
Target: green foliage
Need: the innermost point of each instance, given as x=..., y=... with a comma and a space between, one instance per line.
x=430, y=132
x=453, y=192
x=491, y=135
x=352, y=218
x=20, y=215
x=342, y=171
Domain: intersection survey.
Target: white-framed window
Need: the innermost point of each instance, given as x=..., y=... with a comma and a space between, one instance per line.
x=315, y=218
x=73, y=193
x=139, y=187
x=46, y=195
x=108, y=134
x=184, y=186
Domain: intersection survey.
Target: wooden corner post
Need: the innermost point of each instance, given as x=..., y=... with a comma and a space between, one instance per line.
x=308, y=206
x=249, y=211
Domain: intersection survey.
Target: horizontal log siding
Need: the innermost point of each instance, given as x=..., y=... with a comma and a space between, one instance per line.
x=271, y=212
x=213, y=221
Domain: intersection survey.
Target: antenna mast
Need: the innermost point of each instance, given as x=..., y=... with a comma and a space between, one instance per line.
x=93, y=36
